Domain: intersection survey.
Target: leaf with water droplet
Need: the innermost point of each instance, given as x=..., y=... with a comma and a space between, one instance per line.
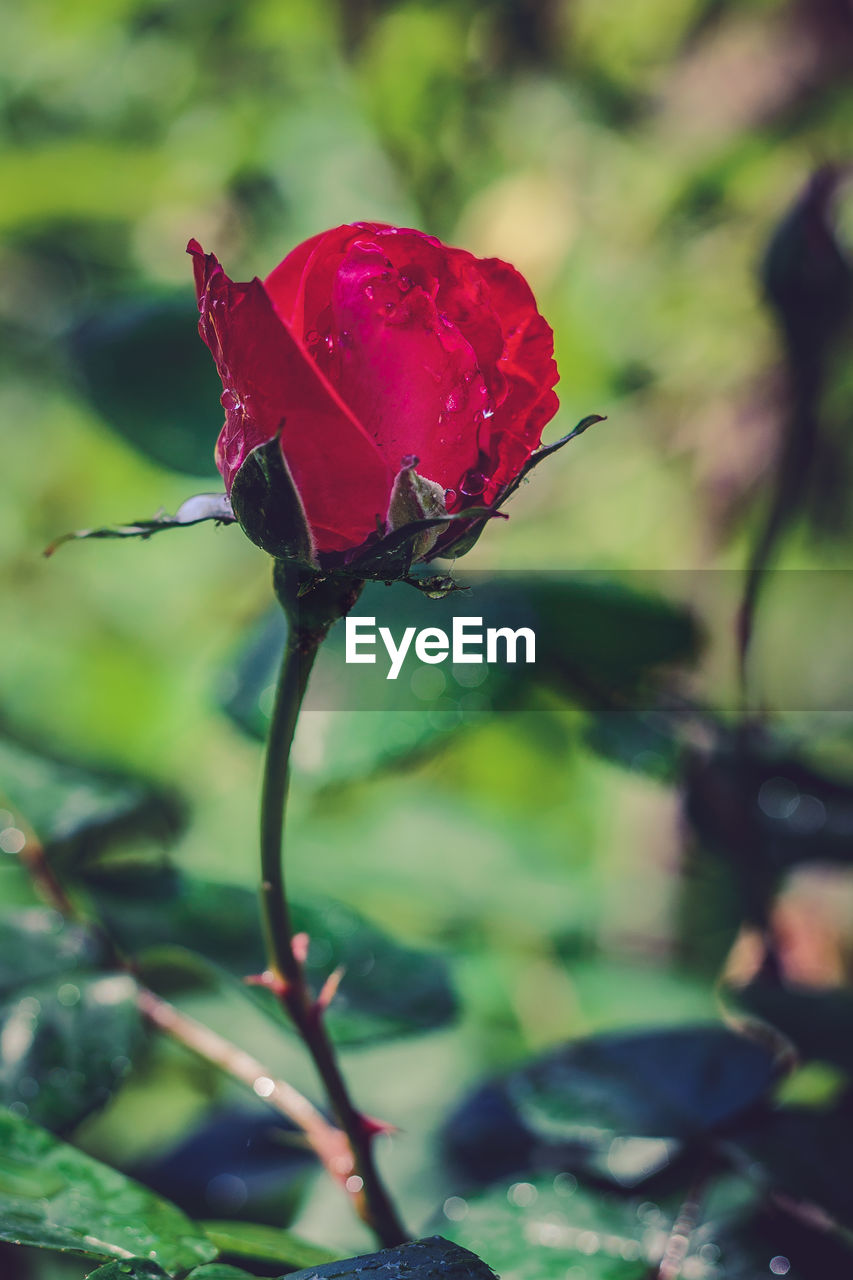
x=195, y=510
x=418, y=1260
x=75, y=1204
x=623, y=1106
x=65, y=1045
x=132, y=1269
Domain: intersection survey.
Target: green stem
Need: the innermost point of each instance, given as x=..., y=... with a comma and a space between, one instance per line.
x=287, y=975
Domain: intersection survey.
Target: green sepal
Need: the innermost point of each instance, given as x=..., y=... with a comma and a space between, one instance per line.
x=268, y=507
x=201, y=507
x=392, y=557
x=470, y=539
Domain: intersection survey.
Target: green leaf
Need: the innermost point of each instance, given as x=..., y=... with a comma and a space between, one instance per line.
x=388, y=989
x=195, y=510
x=219, y=1271
x=422, y=1259
x=65, y=1047
x=251, y=1241
x=620, y=1105
x=132, y=1269
x=586, y=660
x=55, y=1197
x=79, y=811
x=37, y=943
x=148, y=375
x=67, y=1033
x=538, y=1230
x=268, y=506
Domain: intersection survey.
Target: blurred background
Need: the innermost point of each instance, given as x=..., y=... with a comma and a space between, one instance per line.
x=670, y=177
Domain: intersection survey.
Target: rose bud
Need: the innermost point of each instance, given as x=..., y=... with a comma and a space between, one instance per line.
x=383, y=394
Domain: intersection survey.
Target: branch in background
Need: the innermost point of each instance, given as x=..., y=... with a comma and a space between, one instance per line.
x=329, y=1143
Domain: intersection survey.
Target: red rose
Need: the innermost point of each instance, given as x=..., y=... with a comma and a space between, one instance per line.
x=403, y=379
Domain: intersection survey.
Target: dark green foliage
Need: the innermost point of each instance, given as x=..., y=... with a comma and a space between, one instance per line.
x=425, y=1258
x=157, y=908
x=54, y=1197
x=149, y=376
x=68, y=1033
x=621, y=1107
x=79, y=812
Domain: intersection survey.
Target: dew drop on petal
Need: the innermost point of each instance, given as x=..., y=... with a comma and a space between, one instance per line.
x=473, y=484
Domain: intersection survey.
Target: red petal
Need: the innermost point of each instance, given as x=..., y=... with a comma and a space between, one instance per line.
x=272, y=387
x=402, y=365
x=528, y=367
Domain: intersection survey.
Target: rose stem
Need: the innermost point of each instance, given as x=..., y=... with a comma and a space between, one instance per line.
x=286, y=975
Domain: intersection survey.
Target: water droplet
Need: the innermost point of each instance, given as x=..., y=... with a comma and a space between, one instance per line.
x=354, y=1184
x=229, y=400
x=449, y=497
x=779, y=1266
x=12, y=840
x=264, y=1086
x=405, y=284
x=473, y=484
x=454, y=402
x=455, y=1208
x=369, y=291
x=522, y=1194
x=312, y=338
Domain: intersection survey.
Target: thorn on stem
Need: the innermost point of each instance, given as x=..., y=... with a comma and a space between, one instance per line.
x=329, y=989
x=278, y=986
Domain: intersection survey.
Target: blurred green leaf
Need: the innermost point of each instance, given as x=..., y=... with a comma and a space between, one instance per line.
x=388, y=989
x=55, y=1197
x=219, y=1271
x=252, y=1241
x=67, y=1034
x=148, y=374
x=622, y=1106
x=64, y=1048
x=539, y=1229
x=37, y=943
x=78, y=812
x=581, y=627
